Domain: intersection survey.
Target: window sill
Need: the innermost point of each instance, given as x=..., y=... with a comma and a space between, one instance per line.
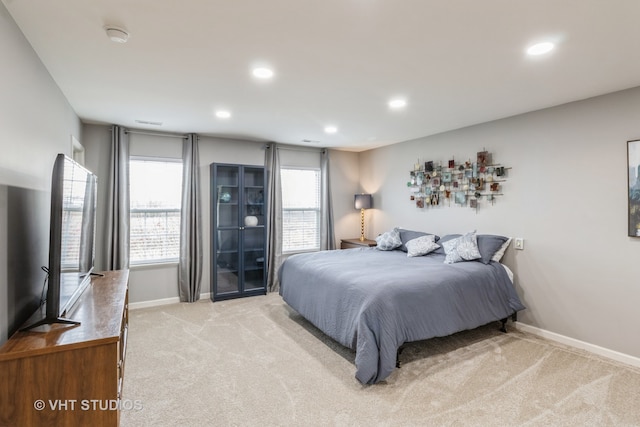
x=153, y=265
x=302, y=251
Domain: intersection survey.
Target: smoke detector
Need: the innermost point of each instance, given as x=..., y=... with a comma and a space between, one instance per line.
x=117, y=35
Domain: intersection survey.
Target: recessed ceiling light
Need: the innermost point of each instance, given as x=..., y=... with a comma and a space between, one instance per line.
x=117, y=35
x=540, y=48
x=223, y=114
x=330, y=129
x=397, y=103
x=262, y=73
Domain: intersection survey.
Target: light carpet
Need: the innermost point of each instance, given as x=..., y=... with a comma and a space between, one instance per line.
x=256, y=362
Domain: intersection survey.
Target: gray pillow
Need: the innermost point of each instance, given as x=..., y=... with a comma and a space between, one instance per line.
x=406, y=235
x=500, y=252
x=443, y=239
x=489, y=244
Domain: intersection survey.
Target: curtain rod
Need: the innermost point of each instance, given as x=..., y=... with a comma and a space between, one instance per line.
x=297, y=148
x=167, y=135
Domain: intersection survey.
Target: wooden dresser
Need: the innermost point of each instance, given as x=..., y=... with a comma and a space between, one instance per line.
x=69, y=375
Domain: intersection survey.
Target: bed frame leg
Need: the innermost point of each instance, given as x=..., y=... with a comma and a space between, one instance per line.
x=503, y=328
x=398, y=355
x=514, y=318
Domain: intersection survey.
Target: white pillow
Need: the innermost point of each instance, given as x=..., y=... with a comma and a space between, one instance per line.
x=421, y=245
x=389, y=241
x=500, y=252
x=464, y=248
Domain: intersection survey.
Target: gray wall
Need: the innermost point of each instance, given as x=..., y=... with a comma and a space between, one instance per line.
x=156, y=282
x=345, y=182
x=566, y=196
x=36, y=123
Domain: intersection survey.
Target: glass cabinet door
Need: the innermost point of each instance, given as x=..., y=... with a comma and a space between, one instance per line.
x=227, y=197
x=227, y=233
x=253, y=257
x=254, y=232
x=227, y=261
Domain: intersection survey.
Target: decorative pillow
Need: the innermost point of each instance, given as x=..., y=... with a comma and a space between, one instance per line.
x=452, y=255
x=389, y=241
x=489, y=244
x=421, y=245
x=406, y=235
x=464, y=248
x=445, y=238
x=500, y=252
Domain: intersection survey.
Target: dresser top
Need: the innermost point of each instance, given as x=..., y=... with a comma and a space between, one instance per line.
x=99, y=311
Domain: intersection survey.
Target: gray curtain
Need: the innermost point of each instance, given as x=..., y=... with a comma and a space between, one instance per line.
x=190, y=266
x=117, y=227
x=327, y=234
x=274, y=216
x=274, y=212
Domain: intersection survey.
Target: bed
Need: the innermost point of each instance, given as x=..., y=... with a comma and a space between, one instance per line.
x=373, y=301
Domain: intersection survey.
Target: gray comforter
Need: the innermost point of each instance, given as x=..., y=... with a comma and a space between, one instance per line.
x=373, y=301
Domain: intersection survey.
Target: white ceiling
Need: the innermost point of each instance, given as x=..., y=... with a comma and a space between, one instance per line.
x=338, y=62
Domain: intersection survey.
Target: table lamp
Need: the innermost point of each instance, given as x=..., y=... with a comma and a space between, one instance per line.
x=362, y=202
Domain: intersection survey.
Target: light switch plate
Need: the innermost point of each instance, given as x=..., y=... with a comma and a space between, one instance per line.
x=519, y=243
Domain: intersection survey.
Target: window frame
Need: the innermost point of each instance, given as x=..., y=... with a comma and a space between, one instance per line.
x=156, y=261
x=318, y=210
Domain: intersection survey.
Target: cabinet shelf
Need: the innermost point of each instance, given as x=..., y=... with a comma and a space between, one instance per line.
x=230, y=251
x=239, y=227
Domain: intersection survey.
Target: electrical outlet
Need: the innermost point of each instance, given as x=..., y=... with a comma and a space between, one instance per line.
x=519, y=243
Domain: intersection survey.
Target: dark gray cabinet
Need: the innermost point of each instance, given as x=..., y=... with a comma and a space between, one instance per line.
x=238, y=233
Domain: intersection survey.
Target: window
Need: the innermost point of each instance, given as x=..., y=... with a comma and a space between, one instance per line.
x=300, y=209
x=155, y=190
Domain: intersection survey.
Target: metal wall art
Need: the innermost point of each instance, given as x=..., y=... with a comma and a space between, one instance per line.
x=464, y=183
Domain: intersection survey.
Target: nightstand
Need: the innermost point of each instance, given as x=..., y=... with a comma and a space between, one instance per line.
x=356, y=243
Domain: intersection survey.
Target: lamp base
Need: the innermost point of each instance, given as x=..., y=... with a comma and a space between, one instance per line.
x=362, y=225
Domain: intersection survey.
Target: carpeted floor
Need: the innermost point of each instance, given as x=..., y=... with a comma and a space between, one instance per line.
x=255, y=362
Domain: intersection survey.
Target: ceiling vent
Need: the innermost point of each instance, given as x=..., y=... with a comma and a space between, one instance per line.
x=147, y=122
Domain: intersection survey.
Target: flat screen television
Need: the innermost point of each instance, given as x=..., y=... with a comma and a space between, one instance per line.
x=71, y=238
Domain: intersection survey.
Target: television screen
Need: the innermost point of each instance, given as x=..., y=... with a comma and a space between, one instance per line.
x=77, y=231
x=71, y=238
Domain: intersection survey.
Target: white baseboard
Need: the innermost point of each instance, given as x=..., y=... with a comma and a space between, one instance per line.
x=163, y=301
x=571, y=342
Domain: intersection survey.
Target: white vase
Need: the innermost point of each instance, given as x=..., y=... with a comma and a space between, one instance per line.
x=250, y=221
